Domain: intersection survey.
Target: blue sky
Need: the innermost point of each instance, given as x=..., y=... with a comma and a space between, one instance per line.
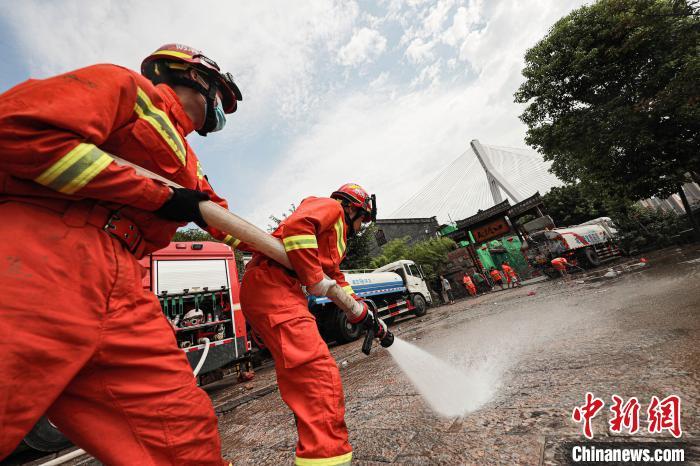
x=383, y=93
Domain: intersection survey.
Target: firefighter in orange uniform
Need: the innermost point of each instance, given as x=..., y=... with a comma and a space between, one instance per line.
x=510, y=274
x=99, y=356
x=469, y=284
x=496, y=277
x=274, y=304
x=560, y=264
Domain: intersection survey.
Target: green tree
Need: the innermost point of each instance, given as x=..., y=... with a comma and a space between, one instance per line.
x=277, y=220
x=358, y=250
x=571, y=205
x=191, y=234
x=394, y=250
x=612, y=96
x=641, y=228
x=430, y=254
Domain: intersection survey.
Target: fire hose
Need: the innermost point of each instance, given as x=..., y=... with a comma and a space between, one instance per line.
x=222, y=219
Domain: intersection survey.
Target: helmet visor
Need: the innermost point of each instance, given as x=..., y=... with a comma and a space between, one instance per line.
x=370, y=210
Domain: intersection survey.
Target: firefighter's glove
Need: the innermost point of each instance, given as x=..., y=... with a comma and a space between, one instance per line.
x=358, y=313
x=375, y=324
x=183, y=206
x=321, y=288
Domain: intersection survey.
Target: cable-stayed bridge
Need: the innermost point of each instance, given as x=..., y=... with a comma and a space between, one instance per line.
x=480, y=177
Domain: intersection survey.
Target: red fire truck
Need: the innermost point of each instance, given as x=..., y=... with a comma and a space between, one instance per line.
x=197, y=285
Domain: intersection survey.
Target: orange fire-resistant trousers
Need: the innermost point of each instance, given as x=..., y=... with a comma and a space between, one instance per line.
x=83, y=342
x=307, y=375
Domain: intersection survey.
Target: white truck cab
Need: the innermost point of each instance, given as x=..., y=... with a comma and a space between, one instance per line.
x=412, y=276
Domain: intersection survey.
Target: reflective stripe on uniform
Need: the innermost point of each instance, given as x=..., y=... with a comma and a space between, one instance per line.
x=348, y=289
x=75, y=169
x=157, y=118
x=300, y=242
x=231, y=241
x=200, y=172
x=339, y=234
x=342, y=460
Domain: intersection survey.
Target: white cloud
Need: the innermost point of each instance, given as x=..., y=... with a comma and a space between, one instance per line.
x=379, y=81
x=437, y=16
x=430, y=75
x=462, y=22
x=419, y=51
x=364, y=46
x=392, y=146
x=270, y=47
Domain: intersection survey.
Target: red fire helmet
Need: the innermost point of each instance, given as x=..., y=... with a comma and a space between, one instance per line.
x=178, y=53
x=355, y=195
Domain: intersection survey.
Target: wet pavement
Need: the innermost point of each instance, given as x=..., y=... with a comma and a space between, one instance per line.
x=633, y=335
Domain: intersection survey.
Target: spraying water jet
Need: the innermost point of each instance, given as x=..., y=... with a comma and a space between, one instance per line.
x=448, y=391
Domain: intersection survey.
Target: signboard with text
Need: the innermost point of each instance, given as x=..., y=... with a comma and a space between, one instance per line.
x=491, y=230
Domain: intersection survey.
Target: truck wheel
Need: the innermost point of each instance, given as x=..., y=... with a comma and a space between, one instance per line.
x=46, y=437
x=420, y=305
x=345, y=330
x=591, y=257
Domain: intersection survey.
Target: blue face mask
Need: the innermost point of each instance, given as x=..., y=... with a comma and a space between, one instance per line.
x=220, y=117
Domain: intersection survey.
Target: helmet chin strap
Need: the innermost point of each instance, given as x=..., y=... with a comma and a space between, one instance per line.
x=351, y=225
x=351, y=221
x=210, y=117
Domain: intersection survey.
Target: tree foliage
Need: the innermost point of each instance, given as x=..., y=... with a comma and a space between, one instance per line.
x=612, y=96
x=430, y=254
x=191, y=234
x=358, y=250
x=644, y=229
x=571, y=205
x=277, y=220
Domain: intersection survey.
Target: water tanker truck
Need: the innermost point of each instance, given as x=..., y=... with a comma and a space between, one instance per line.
x=586, y=245
x=392, y=290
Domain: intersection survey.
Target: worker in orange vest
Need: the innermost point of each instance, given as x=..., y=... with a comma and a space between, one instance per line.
x=101, y=359
x=510, y=274
x=315, y=237
x=560, y=264
x=469, y=284
x=496, y=277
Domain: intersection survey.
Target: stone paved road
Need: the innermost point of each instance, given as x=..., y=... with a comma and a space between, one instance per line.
x=635, y=335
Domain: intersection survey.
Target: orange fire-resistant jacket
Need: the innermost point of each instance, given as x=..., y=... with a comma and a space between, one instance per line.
x=315, y=238
x=57, y=136
x=508, y=270
x=560, y=263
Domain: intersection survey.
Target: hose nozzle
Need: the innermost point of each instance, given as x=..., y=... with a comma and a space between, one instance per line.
x=386, y=339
